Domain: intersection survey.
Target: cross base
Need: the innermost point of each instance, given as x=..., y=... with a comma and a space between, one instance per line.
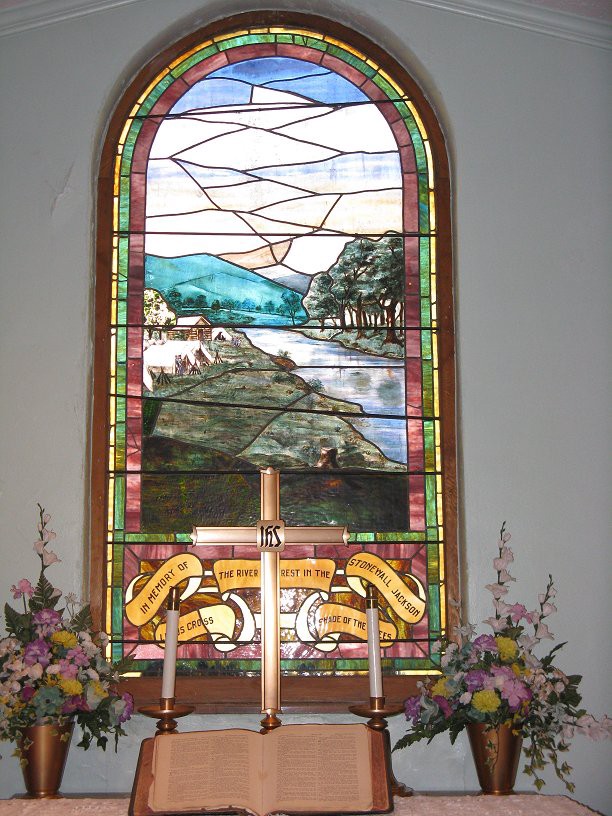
x=269, y=723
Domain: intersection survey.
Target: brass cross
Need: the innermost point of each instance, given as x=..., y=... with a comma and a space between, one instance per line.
x=270, y=535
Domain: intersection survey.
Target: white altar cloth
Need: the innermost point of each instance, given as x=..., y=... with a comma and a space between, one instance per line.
x=418, y=805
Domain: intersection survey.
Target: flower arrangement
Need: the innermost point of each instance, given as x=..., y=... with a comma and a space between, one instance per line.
x=52, y=668
x=497, y=679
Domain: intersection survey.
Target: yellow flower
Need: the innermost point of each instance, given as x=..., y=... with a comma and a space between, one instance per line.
x=517, y=669
x=71, y=687
x=67, y=639
x=99, y=689
x=439, y=688
x=486, y=700
x=508, y=649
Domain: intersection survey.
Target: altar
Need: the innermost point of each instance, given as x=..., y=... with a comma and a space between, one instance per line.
x=520, y=804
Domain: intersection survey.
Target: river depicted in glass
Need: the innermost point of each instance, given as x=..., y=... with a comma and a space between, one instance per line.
x=375, y=383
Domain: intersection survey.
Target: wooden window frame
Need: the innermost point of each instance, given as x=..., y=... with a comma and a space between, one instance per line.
x=299, y=694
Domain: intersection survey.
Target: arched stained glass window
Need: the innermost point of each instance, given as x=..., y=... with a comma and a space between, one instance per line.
x=274, y=289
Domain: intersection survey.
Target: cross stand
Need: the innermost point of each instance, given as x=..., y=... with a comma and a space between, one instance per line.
x=377, y=711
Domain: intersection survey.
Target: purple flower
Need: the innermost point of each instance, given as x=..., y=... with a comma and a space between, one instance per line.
x=27, y=693
x=129, y=707
x=412, y=708
x=37, y=651
x=485, y=643
x=443, y=704
x=46, y=621
x=76, y=703
x=78, y=656
x=474, y=679
x=503, y=671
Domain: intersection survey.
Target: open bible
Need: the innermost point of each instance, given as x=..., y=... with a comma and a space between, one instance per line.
x=293, y=769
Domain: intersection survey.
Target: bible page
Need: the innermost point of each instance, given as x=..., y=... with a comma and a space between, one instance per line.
x=207, y=770
x=320, y=768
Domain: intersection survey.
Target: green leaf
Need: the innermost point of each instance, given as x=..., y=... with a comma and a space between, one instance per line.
x=17, y=623
x=43, y=597
x=82, y=620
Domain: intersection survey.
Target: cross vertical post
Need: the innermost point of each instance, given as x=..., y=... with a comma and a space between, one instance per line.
x=270, y=606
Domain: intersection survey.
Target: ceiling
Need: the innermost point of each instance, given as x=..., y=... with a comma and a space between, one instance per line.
x=588, y=21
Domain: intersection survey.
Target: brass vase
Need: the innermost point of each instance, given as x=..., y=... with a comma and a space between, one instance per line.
x=496, y=753
x=44, y=749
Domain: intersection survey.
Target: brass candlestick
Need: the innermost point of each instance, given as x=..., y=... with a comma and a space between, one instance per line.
x=166, y=711
x=269, y=722
x=377, y=711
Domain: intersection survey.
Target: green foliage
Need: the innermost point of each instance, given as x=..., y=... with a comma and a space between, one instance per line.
x=45, y=596
x=18, y=624
x=82, y=620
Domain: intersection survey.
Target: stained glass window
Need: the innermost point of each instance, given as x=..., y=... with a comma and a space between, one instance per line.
x=273, y=298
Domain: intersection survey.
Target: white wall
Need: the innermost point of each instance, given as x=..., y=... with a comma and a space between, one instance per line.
x=528, y=123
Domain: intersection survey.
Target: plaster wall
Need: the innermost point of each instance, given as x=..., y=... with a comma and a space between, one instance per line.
x=527, y=117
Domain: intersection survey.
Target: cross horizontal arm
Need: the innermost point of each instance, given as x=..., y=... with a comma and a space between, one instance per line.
x=247, y=536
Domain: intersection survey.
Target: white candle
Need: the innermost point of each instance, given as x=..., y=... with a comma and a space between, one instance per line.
x=171, y=642
x=375, y=670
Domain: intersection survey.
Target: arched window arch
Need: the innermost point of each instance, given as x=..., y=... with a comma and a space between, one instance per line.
x=274, y=289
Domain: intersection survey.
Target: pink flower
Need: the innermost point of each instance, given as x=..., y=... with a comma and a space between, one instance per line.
x=497, y=590
x=588, y=725
x=517, y=612
x=443, y=704
x=27, y=693
x=515, y=692
x=497, y=624
x=501, y=607
x=548, y=609
x=24, y=587
x=49, y=557
x=68, y=670
x=505, y=558
x=527, y=642
x=542, y=632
